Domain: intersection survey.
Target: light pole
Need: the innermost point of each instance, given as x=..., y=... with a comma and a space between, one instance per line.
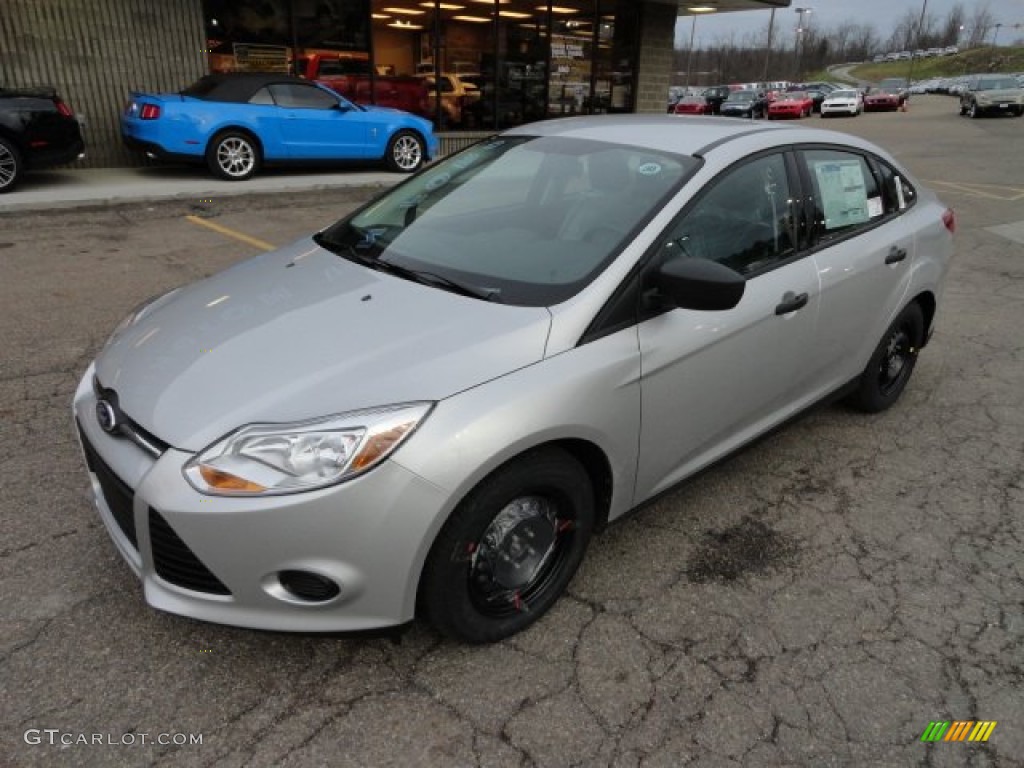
x=995, y=34
x=920, y=26
x=768, y=52
x=797, y=47
x=689, y=53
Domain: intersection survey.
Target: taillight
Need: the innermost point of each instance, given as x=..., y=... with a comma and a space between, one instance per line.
x=63, y=108
x=949, y=219
x=149, y=112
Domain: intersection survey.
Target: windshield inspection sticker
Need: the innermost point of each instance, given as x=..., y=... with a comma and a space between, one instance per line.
x=649, y=169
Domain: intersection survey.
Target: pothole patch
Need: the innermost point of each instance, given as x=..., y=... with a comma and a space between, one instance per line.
x=746, y=548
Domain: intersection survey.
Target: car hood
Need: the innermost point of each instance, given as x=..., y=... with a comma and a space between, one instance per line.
x=302, y=333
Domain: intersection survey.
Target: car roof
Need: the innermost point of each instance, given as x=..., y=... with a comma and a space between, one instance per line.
x=666, y=133
x=236, y=87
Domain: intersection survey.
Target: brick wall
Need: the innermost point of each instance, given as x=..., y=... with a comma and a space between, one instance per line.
x=657, y=37
x=95, y=51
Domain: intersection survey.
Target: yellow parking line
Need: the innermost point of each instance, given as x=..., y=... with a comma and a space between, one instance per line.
x=228, y=232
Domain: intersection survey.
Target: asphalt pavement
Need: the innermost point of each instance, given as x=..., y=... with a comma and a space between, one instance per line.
x=817, y=600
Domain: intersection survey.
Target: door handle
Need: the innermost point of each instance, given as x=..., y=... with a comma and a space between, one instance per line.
x=896, y=255
x=791, y=302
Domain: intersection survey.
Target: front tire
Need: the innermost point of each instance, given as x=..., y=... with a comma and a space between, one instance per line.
x=10, y=166
x=233, y=155
x=510, y=548
x=972, y=111
x=892, y=362
x=405, y=152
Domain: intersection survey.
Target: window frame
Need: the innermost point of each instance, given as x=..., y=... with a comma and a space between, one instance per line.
x=814, y=245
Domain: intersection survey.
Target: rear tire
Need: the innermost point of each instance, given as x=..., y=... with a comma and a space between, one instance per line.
x=233, y=155
x=509, y=549
x=10, y=166
x=405, y=152
x=891, y=364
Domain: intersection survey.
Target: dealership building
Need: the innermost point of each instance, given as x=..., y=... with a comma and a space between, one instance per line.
x=529, y=59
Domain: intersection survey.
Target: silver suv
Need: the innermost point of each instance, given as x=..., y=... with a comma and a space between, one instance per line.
x=992, y=94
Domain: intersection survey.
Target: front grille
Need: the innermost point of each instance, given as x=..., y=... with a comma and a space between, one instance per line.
x=176, y=563
x=118, y=495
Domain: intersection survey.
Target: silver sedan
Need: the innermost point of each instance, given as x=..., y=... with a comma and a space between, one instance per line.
x=430, y=406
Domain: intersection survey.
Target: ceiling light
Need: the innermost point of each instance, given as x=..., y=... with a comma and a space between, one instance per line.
x=405, y=11
x=474, y=19
x=514, y=15
x=444, y=6
x=408, y=26
x=557, y=9
x=701, y=8
x=380, y=16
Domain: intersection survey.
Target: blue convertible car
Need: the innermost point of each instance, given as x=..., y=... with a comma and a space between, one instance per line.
x=236, y=122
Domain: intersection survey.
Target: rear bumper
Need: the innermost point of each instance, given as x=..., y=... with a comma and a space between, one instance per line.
x=154, y=150
x=41, y=157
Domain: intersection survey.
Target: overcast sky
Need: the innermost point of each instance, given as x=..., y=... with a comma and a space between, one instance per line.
x=883, y=14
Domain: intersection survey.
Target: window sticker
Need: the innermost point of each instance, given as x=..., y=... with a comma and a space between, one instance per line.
x=844, y=196
x=649, y=169
x=875, y=207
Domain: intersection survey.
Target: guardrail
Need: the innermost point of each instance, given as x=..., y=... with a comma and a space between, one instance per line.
x=453, y=141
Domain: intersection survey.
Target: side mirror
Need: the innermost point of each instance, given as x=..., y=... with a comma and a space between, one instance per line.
x=699, y=284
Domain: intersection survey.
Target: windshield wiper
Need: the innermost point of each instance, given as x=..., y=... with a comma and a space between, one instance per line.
x=438, y=281
x=423, y=277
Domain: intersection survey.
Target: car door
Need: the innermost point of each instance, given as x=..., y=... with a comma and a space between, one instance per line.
x=315, y=124
x=862, y=251
x=714, y=380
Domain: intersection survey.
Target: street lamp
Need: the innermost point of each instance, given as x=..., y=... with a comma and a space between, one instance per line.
x=696, y=10
x=995, y=34
x=797, y=48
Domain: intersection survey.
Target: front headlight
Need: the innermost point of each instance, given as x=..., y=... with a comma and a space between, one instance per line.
x=272, y=459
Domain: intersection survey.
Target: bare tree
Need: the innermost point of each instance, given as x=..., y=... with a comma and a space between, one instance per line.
x=951, y=26
x=980, y=23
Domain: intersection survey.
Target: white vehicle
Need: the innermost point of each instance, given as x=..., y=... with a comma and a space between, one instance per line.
x=843, y=102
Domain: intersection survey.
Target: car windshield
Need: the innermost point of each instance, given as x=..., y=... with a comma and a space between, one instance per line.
x=743, y=96
x=843, y=95
x=993, y=85
x=521, y=220
x=796, y=95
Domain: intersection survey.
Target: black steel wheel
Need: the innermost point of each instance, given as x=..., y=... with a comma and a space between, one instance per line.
x=892, y=362
x=510, y=548
x=10, y=165
x=233, y=155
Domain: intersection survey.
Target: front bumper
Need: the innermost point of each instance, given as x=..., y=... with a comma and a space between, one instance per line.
x=220, y=559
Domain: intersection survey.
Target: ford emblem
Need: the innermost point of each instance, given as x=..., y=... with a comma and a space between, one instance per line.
x=106, y=415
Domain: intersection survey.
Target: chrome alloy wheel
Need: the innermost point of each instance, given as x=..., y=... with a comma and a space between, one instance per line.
x=8, y=166
x=518, y=555
x=236, y=157
x=407, y=153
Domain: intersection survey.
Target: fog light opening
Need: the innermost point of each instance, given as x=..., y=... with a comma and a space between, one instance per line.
x=308, y=587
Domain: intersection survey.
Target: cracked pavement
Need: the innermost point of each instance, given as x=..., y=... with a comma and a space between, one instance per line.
x=816, y=600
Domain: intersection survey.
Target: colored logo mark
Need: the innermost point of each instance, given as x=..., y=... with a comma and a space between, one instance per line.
x=959, y=730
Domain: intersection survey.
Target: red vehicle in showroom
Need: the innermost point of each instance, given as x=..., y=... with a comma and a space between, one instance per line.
x=791, y=104
x=692, y=105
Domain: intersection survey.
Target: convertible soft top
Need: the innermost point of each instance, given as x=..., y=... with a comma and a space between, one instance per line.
x=237, y=87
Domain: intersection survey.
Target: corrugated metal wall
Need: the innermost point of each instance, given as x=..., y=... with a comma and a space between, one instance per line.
x=95, y=51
